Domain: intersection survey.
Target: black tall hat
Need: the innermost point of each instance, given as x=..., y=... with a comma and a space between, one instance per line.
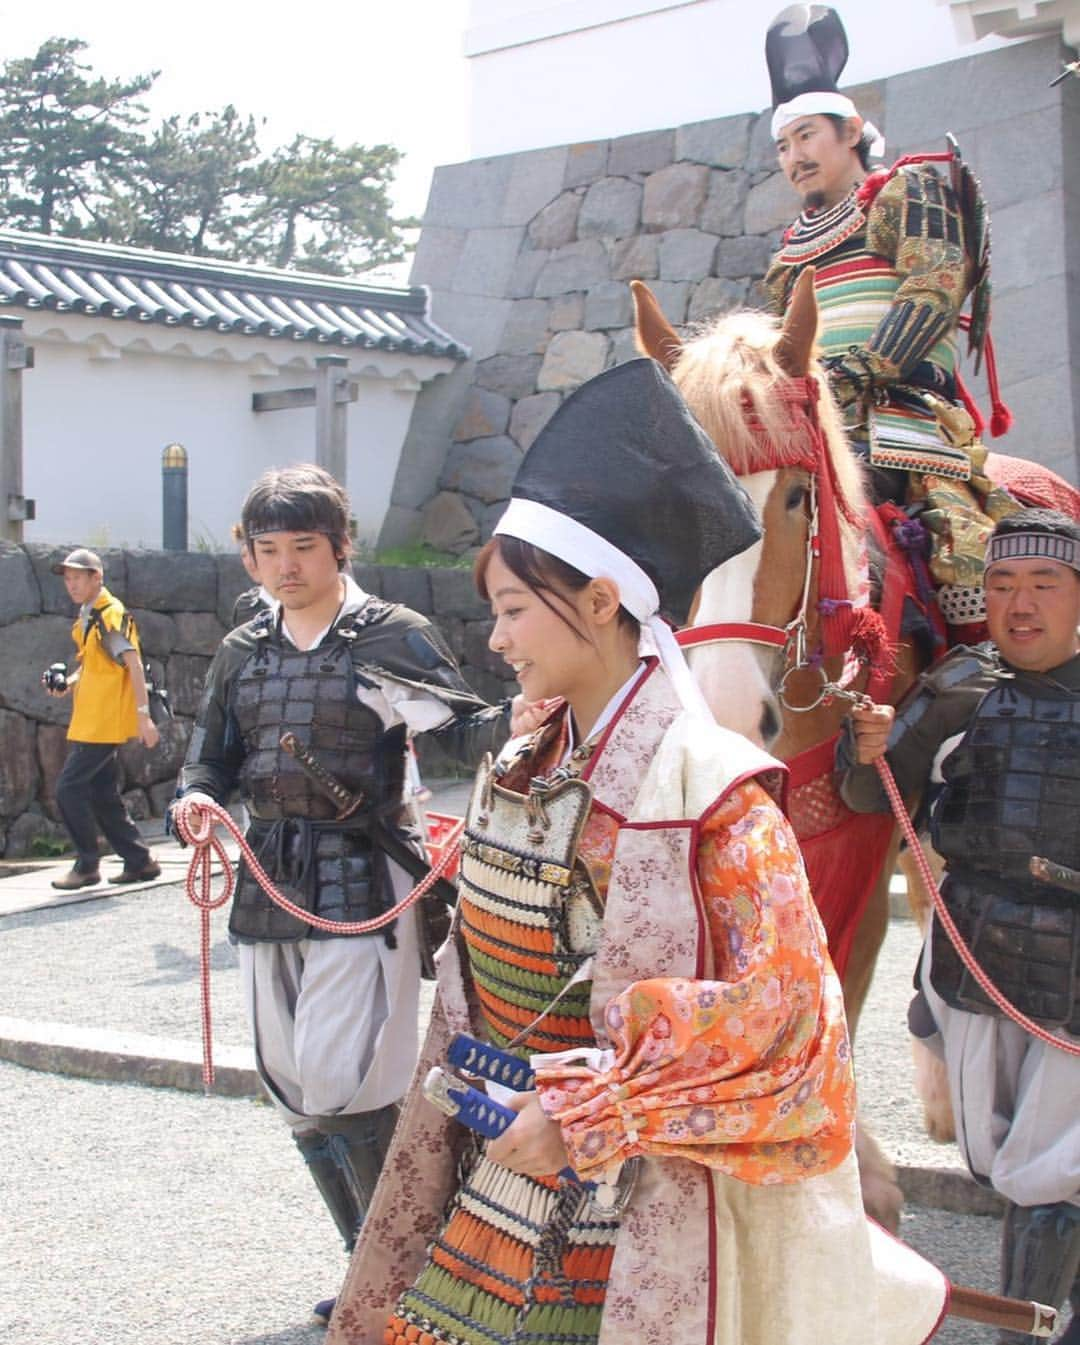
x=624, y=458
x=806, y=50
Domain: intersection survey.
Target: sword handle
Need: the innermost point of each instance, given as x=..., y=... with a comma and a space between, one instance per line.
x=1057, y=874
x=1009, y=1314
x=291, y=744
x=489, y=1062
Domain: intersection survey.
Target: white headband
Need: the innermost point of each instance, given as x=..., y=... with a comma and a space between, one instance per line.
x=1033, y=545
x=577, y=545
x=825, y=104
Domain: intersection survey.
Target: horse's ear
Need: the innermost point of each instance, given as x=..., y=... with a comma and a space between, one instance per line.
x=656, y=336
x=795, y=349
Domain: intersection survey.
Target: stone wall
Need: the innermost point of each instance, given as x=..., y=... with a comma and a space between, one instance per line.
x=182, y=603
x=528, y=257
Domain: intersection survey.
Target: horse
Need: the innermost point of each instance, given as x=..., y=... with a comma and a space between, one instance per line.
x=799, y=598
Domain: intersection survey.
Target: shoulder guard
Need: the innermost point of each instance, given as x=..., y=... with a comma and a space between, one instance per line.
x=371, y=613
x=976, y=218
x=961, y=663
x=918, y=212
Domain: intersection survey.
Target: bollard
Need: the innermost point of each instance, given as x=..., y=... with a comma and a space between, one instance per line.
x=174, y=503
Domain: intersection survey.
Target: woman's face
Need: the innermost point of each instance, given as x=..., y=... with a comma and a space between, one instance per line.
x=549, y=657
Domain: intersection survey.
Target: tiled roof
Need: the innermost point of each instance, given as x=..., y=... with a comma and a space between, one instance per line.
x=40, y=271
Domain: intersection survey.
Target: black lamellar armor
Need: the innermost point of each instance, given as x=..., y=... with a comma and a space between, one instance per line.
x=261, y=687
x=1012, y=790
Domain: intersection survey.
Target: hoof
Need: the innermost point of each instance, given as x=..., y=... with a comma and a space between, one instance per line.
x=932, y=1089
x=882, y=1198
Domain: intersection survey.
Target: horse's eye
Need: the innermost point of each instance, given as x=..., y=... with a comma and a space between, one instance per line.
x=795, y=497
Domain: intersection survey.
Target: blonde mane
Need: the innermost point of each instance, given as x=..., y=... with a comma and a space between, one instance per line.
x=733, y=358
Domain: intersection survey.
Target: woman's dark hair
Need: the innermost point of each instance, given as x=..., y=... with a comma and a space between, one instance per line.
x=303, y=498
x=541, y=572
x=862, y=147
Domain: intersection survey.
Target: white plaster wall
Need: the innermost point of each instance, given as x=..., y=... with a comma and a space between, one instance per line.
x=576, y=70
x=94, y=429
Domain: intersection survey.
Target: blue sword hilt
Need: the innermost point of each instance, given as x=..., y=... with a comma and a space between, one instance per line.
x=466, y=1104
x=481, y=1059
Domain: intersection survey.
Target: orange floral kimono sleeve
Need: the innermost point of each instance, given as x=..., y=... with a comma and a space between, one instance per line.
x=748, y=1073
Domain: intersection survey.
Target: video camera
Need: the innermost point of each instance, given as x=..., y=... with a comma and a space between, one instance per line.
x=55, y=677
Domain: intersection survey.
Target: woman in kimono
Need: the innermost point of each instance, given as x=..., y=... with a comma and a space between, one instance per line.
x=634, y=925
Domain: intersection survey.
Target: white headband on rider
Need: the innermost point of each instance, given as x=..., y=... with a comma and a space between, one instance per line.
x=824, y=103
x=584, y=549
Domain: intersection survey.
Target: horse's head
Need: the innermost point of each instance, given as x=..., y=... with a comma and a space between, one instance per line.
x=755, y=387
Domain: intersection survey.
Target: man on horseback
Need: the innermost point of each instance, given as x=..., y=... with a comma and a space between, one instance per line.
x=896, y=253
x=999, y=729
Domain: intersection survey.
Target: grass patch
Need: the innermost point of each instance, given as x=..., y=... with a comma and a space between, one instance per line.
x=418, y=556
x=48, y=847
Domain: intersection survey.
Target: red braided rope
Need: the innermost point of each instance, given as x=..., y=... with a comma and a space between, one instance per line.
x=984, y=982
x=198, y=832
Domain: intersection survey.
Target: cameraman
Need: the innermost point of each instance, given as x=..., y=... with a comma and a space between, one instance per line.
x=110, y=706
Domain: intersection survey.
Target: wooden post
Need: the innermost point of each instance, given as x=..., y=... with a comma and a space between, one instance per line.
x=330, y=413
x=15, y=356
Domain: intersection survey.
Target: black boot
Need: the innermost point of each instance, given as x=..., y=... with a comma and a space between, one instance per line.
x=1040, y=1257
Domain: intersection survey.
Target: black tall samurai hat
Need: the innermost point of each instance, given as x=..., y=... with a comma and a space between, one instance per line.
x=806, y=50
x=624, y=458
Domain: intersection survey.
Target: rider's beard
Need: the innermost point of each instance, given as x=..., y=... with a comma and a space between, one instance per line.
x=813, y=201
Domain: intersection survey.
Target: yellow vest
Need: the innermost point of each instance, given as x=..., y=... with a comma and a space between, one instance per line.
x=104, y=699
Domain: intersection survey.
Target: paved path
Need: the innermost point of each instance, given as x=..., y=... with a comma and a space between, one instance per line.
x=155, y=1214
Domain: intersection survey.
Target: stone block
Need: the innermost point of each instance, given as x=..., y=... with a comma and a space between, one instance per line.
x=19, y=772
x=447, y=525
x=512, y=376
x=476, y=652
x=611, y=208
x=1028, y=323
x=636, y=258
x=160, y=796
x=623, y=347
x=673, y=296
x=51, y=751
x=185, y=677
x=1017, y=160
x=172, y=581
x=530, y=415
x=368, y=576
x=488, y=517
x=409, y=585
x=572, y=359
x=566, y=313
x=401, y=526
x=725, y=205
x=475, y=319
x=527, y=269
x=144, y=767
x=19, y=592
x=1028, y=244
x=608, y=305
x=674, y=196
x=438, y=252
x=487, y=262
x=556, y=224
x=469, y=195
x=770, y=205
x=1043, y=421
x=484, y=468
x=33, y=826
x=232, y=581
x=198, y=633
x=27, y=649
x=453, y=595
x=486, y=413
x=536, y=179
x=722, y=143
x=585, y=162
x=761, y=151
x=644, y=152
x=525, y=333
x=157, y=632
x=713, y=296
x=54, y=596
x=740, y=257
x=137, y=803
x=574, y=267
x=686, y=254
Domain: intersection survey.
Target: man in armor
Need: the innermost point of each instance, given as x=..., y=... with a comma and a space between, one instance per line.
x=994, y=733
x=896, y=253
x=352, y=678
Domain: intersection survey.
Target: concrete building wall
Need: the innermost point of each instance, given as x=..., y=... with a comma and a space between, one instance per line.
x=105, y=397
x=528, y=256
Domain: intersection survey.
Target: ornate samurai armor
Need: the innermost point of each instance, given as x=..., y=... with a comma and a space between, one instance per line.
x=1011, y=792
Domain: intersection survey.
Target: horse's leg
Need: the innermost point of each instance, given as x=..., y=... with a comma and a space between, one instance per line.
x=931, y=1081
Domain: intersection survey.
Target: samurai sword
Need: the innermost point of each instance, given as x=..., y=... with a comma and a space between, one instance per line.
x=1048, y=872
x=485, y=1061
x=348, y=803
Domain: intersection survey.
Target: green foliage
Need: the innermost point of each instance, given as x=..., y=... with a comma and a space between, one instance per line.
x=48, y=847
x=419, y=555
x=77, y=158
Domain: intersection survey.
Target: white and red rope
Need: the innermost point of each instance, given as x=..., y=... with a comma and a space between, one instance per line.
x=199, y=834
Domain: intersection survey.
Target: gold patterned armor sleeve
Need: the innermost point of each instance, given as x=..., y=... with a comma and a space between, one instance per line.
x=915, y=222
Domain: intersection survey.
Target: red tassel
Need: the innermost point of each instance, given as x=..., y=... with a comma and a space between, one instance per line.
x=872, y=184
x=1001, y=417
x=969, y=404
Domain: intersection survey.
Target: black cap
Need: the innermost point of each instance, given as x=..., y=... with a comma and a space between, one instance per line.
x=806, y=50
x=624, y=457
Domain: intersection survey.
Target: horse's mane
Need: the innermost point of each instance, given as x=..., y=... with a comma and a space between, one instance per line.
x=732, y=359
